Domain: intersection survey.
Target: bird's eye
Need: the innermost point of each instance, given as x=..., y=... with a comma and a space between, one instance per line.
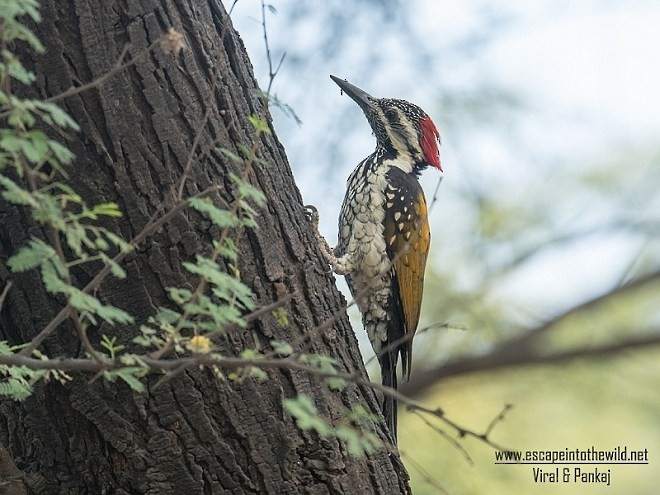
x=391, y=115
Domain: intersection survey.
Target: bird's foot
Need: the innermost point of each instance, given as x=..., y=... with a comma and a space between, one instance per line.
x=312, y=216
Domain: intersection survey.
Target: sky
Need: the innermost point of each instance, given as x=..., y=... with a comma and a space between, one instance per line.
x=587, y=74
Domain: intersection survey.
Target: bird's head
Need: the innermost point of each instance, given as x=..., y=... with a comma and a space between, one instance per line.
x=401, y=127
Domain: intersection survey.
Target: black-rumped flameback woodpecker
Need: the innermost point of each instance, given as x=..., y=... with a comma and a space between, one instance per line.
x=384, y=231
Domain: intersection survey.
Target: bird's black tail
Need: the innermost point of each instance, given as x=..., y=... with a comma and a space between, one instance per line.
x=388, y=364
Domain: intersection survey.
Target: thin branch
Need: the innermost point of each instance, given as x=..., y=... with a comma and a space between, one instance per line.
x=177, y=366
x=198, y=136
x=249, y=318
x=271, y=72
x=231, y=9
x=498, y=419
x=268, y=308
x=317, y=330
x=426, y=476
x=207, y=114
x=434, y=198
x=451, y=440
x=56, y=242
x=174, y=367
x=440, y=414
x=116, y=68
x=410, y=336
x=5, y=291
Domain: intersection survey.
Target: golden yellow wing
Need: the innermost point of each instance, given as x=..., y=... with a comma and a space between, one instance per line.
x=408, y=237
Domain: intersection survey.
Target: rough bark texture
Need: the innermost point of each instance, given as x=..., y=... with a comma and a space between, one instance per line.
x=195, y=434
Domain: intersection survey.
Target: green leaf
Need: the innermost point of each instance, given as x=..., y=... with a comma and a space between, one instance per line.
x=120, y=243
x=281, y=348
x=222, y=315
x=274, y=101
x=12, y=10
x=21, y=32
x=16, y=70
x=227, y=249
x=165, y=316
x=220, y=217
x=128, y=375
x=225, y=286
x=101, y=244
x=245, y=151
x=20, y=117
x=148, y=337
x=116, y=270
x=15, y=389
x=250, y=354
x=85, y=302
x=106, y=209
x=359, y=414
x=248, y=191
x=179, y=296
x=231, y=155
x=258, y=373
x=51, y=276
x=74, y=235
x=260, y=124
x=302, y=409
x=9, y=140
x=110, y=345
x=62, y=153
x=335, y=383
x=34, y=254
x=236, y=292
x=54, y=115
x=33, y=145
x=327, y=365
x=357, y=442
x=307, y=418
x=281, y=317
x=15, y=194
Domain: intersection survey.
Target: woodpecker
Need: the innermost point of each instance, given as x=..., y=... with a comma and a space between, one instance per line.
x=384, y=234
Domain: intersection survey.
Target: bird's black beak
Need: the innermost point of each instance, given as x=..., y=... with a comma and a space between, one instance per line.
x=362, y=98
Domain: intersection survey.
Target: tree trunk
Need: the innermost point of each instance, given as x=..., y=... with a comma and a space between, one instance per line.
x=195, y=433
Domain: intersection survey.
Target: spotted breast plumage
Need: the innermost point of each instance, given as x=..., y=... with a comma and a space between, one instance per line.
x=384, y=233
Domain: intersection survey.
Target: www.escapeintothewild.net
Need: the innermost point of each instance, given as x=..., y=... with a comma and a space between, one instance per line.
x=586, y=465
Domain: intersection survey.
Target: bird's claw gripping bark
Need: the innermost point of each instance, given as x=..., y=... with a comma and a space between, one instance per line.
x=312, y=215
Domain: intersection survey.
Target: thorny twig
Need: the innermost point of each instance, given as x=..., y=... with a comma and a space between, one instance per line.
x=179, y=365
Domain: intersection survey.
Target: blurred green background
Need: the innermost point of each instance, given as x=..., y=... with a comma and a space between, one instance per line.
x=549, y=113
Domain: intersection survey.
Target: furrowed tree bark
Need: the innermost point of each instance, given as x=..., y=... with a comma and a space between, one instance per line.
x=195, y=433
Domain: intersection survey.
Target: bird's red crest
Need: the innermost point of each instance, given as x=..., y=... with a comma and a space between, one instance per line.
x=429, y=142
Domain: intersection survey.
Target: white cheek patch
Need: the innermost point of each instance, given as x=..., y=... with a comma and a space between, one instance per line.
x=404, y=138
